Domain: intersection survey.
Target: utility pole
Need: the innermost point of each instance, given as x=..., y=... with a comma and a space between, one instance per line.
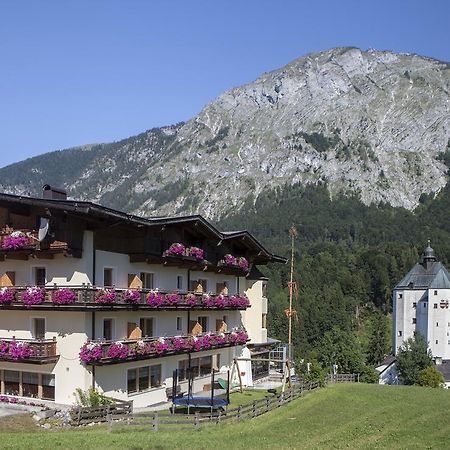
x=291, y=312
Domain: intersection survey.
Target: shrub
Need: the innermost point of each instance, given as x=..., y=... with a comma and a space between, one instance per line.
x=91, y=397
x=431, y=377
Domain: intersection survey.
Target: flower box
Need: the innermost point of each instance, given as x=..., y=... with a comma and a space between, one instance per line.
x=63, y=296
x=33, y=296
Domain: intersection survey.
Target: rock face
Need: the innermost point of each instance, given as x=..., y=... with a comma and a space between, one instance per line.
x=372, y=123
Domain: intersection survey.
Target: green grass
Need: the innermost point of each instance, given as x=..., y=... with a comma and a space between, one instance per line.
x=355, y=416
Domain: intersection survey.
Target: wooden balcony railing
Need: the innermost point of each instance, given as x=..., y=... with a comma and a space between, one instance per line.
x=103, y=353
x=88, y=297
x=35, y=351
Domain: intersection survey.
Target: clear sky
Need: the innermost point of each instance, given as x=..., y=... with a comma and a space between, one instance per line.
x=74, y=72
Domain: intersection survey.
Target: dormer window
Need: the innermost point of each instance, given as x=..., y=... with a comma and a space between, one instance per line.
x=435, y=292
x=400, y=296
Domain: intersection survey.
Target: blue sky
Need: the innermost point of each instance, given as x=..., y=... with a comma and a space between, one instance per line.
x=78, y=72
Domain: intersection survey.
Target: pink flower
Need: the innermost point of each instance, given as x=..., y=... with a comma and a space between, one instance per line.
x=209, y=301
x=117, y=350
x=196, y=252
x=63, y=296
x=91, y=351
x=190, y=299
x=243, y=263
x=229, y=260
x=15, y=241
x=176, y=249
x=33, y=296
x=7, y=295
x=173, y=299
x=155, y=299
x=20, y=350
x=105, y=296
x=131, y=296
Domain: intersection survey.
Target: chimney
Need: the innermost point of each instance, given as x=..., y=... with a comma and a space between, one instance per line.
x=52, y=193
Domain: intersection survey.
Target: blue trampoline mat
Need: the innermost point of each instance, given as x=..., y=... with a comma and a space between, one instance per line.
x=200, y=402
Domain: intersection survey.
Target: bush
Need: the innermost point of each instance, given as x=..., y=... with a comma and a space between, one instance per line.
x=91, y=397
x=431, y=377
x=368, y=374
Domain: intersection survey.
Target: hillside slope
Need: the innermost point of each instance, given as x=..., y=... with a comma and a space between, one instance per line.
x=367, y=122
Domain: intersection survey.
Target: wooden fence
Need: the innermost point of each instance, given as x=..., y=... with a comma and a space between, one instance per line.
x=343, y=378
x=155, y=421
x=85, y=414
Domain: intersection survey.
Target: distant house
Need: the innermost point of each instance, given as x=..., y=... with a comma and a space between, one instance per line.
x=388, y=371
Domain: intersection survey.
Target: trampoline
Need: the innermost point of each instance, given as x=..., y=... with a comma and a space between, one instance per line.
x=201, y=402
x=189, y=401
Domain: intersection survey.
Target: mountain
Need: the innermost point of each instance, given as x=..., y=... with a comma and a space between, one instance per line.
x=371, y=123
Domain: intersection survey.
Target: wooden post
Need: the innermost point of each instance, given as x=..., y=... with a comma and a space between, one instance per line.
x=239, y=412
x=267, y=403
x=155, y=421
x=197, y=421
x=358, y=378
x=109, y=419
x=239, y=375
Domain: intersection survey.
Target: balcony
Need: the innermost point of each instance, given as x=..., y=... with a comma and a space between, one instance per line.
x=85, y=298
x=32, y=351
x=105, y=353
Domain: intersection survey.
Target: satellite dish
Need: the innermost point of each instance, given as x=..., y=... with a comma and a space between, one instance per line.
x=43, y=228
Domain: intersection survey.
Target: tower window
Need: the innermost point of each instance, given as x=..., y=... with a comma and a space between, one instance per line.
x=414, y=320
x=414, y=305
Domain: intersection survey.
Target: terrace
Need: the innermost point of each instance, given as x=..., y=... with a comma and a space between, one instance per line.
x=105, y=353
x=33, y=351
x=90, y=297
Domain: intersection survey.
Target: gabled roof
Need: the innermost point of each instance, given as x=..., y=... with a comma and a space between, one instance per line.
x=90, y=210
x=431, y=275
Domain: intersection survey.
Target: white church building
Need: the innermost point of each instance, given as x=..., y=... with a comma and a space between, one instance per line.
x=421, y=304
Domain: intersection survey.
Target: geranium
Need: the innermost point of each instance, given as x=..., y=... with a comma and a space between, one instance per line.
x=63, y=296
x=234, y=301
x=117, y=350
x=141, y=348
x=207, y=341
x=190, y=299
x=243, y=263
x=20, y=350
x=220, y=301
x=178, y=344
x=173, y=299
x=131, y=296
x=7, y=295
x=155, y=299
x=209, y=301
x=196, y=252
x=105, y=296
x=4, y=349
x=15, y=241
x=238, y=337
x=176, y=249
x=221, y=339
x=161, y=346
x=229, y=260
x=91, y=351
x=33, y=296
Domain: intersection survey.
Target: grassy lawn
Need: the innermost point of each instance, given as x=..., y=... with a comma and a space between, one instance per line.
x=341, y=416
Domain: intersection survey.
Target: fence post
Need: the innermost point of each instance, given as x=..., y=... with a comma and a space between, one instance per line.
x=267, y=403
x=239, y=412
x=110, y=424
x=155, y=421
x=358, y=378
x=197, y=421
x=254, y=409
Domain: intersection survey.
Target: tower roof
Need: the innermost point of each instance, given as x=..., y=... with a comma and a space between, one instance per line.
x=433, y=275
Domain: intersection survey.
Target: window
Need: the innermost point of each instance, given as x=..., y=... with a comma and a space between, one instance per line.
x=435, y=292
x=264, y=320
x=264, y=290
x=146, y=326
x=435, y=306
x=424, y=305
x=199, y=367
x=414, y=320
x=203, y=321
x=199, y=285
x=108, y=329
x=414, y=305
x=108, y=277
x=155, y=376
x=11, y=382
x=39, y=276
x=30, y=384
x=38, y=328
x=147, y=279
x=400, y=296
x=131, y=381
x=179, y=324
x=180, y=282
x=437, y=324
x=399, y=333
x=48, y=387
x=437, y=342
x=143, y=378
x=448, y=342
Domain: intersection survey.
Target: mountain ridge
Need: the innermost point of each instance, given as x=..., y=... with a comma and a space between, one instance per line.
x=374, y=123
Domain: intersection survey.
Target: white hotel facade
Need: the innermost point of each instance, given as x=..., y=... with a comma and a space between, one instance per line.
x=161, y=310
